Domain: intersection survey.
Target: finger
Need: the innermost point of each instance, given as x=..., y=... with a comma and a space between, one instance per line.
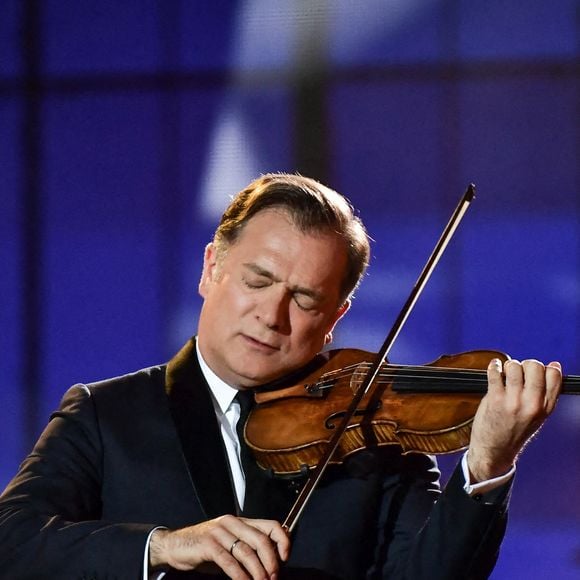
x=553, y=384
x=236, y=558
x=229, y=565
x=229, y=546
x=250, y=560
x=277, y=534
x=224, y=532
x=513, y=372
x=220, y=549
x=257, y=550
x=270, y=541
x=214, y=558
x=495, y=377
x=534, y=373
x=534, y=392
x=514, y=382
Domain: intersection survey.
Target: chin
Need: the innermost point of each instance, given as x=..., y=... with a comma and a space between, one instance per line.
x=257, y=379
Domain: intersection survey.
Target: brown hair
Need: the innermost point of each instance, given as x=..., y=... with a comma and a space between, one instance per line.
x=312, y=206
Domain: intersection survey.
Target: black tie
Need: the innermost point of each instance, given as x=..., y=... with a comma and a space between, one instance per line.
x=256, y=478
x=266, y=496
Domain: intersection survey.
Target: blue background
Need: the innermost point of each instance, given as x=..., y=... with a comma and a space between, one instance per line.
x=125, y=127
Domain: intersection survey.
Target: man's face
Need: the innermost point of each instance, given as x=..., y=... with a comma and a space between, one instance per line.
x=270, y=301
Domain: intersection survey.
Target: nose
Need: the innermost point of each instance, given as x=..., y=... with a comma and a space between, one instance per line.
x=273, y=310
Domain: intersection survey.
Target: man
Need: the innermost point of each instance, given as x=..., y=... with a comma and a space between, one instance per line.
x=143, y=474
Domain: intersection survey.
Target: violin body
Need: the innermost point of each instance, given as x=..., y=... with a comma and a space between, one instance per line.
x=423, y=409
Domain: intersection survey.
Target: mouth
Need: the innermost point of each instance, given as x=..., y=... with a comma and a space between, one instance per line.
x=259, y=345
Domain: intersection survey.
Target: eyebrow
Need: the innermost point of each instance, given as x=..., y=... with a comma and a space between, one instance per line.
x=295, y=289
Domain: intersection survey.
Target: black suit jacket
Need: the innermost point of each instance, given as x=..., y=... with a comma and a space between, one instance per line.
x=125, y=455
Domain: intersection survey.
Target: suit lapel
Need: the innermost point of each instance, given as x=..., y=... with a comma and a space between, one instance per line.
x=194, y=417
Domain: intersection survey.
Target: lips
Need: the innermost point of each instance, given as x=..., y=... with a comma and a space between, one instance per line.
x=260, y=344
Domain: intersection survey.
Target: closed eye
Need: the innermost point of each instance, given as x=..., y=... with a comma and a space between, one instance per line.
x=256, y=282
x=304, y=301
x=255, y=277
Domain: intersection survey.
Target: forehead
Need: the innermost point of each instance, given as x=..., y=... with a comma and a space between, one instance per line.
x=273, y=240
x=276, y=224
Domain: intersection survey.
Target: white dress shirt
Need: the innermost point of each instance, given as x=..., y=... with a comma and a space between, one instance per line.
x=227, y=411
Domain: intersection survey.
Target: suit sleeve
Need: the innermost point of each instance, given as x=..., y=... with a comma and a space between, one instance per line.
x=50, y=524
x=428, y=534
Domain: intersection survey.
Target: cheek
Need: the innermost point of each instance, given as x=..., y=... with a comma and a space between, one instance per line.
x=235, y=301
x=309, y=334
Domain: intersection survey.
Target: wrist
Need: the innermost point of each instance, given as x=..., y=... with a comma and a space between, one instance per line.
x=157, y=549
x=482, y=468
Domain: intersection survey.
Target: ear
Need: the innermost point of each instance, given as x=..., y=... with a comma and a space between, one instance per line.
x=337, y=316
x=209, y=270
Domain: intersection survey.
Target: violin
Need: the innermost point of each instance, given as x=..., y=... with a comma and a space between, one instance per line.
x=426, y=409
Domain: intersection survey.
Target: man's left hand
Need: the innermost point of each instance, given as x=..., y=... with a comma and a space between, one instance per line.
x=515, y=406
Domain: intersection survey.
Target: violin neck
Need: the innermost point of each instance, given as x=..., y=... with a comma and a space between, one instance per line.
x=571, y=385
x=432, y=380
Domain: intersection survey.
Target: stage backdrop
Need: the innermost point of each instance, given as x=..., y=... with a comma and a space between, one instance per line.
x=125, y=127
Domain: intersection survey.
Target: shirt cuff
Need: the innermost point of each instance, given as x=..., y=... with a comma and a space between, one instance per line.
x=146, y=574
x=483, y=486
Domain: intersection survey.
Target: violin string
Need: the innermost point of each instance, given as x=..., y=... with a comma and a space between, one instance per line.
x=327, y=384
x=404, y=374
x=402, y=368
x=406, y=371
x=408, y=374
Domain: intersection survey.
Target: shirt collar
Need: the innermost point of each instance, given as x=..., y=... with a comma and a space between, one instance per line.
x=222, y=393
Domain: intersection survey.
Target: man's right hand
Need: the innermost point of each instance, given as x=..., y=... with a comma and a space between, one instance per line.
x=242, y=548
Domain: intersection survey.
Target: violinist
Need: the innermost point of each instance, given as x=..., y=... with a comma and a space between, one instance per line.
x=146, y=475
